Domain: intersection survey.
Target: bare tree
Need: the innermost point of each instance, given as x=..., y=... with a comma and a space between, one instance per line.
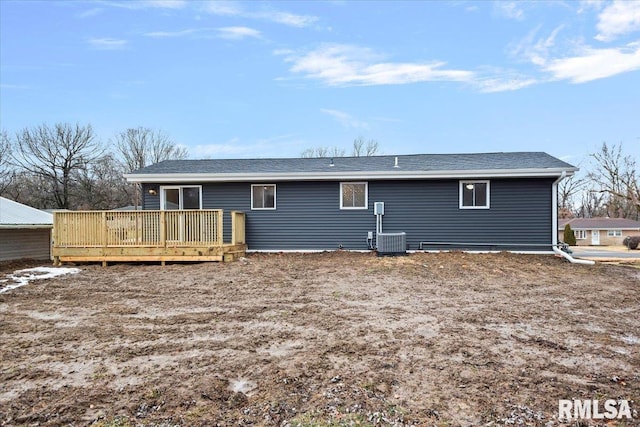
x=30, y=189
x=140, y=147
x=592, y=204
x=568, y=189
x=53, y=154
x=6, y=169
x=100, y=185
x=364, y=148
x=309, y=153
x=360, y=148
x=617, y=177
x=323, y=152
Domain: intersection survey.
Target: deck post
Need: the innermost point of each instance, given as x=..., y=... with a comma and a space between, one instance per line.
x=220, y=228
x=54, y=239
x=163, y=230
x=237, y=228
x=104, y=236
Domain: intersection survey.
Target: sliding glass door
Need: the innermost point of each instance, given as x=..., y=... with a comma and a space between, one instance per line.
x=181, y=226
x=175, y=198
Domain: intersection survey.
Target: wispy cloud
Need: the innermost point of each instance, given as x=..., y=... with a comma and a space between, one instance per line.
x=279, y=17
x=230, y=147
x=591, y=64
x=166, y=4
x=108, y=43
x=14, y=87
x=536, y=49
x=236, y=148
x=237, y=33
x=509, y=9
x=90, y=12
x=231, y=33
x=175, y=34
x=348, y=65
x=223, y=8
x=573, y=60
x=286, y=18
x=618, y=18
x=503, y=83
x=345, y=119
x=588, y=5
x=146, y=4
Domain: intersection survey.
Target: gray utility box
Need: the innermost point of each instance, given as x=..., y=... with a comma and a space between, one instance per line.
x=392, y=243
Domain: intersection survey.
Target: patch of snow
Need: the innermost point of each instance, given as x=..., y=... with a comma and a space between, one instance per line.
x=23, y=277
x=242, y=385
x=630, y=339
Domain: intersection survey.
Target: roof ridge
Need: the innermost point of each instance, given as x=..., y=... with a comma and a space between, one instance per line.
x=475, y=154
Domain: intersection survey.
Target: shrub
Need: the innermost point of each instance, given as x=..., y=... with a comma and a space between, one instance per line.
x=631, y=242
x=569, y=237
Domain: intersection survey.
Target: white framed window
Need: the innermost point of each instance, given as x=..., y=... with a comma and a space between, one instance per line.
x=475, y=194
x=354, y=195
x=174, y=197
x=614, y=233
x=580, y=234
x=263, y=196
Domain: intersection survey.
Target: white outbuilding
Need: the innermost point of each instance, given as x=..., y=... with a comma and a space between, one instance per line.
x=25, y=232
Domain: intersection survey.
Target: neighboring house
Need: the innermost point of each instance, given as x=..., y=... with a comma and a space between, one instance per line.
x=326, y=204
x=25, y=232
x=599, y=231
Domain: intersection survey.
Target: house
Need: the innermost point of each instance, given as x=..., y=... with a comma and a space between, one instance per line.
x=599, y=231
x=441, y=201
x=25, y=232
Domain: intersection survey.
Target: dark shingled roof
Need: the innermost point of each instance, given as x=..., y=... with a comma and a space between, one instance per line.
x=414, y=162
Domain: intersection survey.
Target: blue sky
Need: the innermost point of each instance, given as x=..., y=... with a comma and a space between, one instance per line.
x=269, y=79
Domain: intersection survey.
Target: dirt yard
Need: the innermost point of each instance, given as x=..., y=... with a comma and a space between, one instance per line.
x=331, y=339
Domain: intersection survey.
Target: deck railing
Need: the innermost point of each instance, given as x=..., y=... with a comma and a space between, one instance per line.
x=142, y=228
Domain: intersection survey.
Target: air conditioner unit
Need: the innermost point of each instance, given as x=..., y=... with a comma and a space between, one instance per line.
x=392, y=243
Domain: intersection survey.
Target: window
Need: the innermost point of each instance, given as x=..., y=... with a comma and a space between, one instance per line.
x=474, y=195
x=614, y=233
x=263, y=196
x=187, y=197
x=353, y=195
x=580, y=234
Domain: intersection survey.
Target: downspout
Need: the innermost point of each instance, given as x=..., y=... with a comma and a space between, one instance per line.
x=554, y=224
x=554, y=208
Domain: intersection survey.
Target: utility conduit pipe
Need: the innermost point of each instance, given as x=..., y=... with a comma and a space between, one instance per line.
x=572, y=259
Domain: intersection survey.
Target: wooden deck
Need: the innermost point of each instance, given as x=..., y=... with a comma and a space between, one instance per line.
x=112, y=236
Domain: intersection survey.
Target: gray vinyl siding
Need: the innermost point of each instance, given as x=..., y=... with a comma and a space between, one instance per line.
x=520, y=213
x=308, y=214
x=24, y=243
x=150, y=202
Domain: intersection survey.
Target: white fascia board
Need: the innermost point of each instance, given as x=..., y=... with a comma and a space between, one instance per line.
x=345, y=176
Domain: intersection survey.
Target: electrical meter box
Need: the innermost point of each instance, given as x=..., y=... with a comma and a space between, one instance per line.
x=378, y=208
